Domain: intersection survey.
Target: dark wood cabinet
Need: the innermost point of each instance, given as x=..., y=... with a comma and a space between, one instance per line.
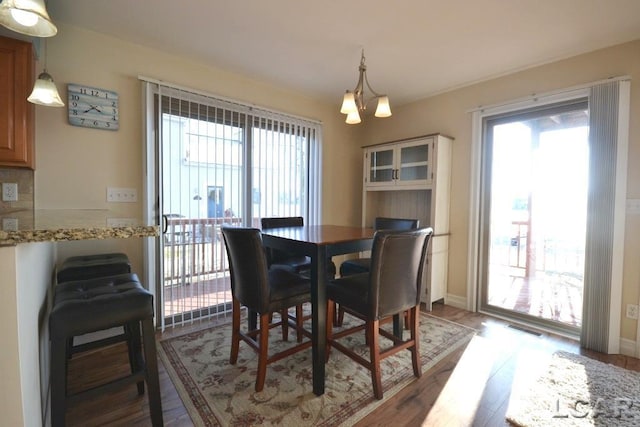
x=16, y=113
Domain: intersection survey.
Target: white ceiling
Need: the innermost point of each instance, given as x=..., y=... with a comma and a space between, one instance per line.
x=414, y=48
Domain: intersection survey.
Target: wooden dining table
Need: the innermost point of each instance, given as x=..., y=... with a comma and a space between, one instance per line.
x=320, y=243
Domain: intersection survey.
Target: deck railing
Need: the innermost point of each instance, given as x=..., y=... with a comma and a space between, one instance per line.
x=194, y=249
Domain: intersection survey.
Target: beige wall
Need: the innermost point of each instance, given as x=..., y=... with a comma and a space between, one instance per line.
x=75, y=165
x=448, y=113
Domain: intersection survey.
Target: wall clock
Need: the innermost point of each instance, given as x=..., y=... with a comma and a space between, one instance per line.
x=92, y=107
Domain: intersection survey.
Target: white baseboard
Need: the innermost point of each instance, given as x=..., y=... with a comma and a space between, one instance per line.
x=456, y=301
x=627, y=347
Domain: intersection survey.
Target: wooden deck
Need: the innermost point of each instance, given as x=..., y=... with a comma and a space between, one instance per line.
x=548, y=296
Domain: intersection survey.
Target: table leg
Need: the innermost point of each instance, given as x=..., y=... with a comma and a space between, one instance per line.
x=397, y=326
x=252, y=318
x=319, y=317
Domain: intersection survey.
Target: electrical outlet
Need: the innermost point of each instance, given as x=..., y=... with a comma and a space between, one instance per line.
x=121, y=222
x=633, y=206
x=10, y=224
x=122, y=195
x=9, y=192
x=632, y=311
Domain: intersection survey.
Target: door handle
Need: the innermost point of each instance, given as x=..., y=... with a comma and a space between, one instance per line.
x=165, y=224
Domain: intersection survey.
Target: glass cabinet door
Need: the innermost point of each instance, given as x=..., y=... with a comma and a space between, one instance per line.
x=414, y=162
x=381, y=168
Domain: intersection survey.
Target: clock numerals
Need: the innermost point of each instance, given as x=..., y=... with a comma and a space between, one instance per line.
x=99, y=124
x=92, y=92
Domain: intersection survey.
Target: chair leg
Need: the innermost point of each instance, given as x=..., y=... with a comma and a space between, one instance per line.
x=263, y=349
x=299, y=322
x=414, y=321
x=374, y=348
x=339, y=318
x=284, y=318
x=252, y=320
x=235, y=331
x=331, y=309
x=135, y=351
x=151, y=372
x=58, y=381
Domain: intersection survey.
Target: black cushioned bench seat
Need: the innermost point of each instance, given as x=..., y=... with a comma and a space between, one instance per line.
x=85, y=306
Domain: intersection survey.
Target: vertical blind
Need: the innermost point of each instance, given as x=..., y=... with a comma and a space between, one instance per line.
x=221, y=162
x=607, y=147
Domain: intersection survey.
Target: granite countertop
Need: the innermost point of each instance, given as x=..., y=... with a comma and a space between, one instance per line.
x=51, y=225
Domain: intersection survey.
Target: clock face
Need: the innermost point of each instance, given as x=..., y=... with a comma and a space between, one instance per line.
x=92, y=107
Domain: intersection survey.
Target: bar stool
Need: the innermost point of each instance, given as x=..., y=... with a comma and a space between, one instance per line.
x=92, y=305
x=90, y=266
x=84, y=267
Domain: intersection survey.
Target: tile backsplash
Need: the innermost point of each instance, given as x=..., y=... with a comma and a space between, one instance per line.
x=24, y=178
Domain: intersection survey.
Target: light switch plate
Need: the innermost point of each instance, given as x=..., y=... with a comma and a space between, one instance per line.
x=9, y=192
x=633, y=206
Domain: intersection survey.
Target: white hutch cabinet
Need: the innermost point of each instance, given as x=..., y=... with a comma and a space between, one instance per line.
x=411, y=178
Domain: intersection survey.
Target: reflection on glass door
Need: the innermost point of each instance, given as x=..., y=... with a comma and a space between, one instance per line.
x=534, y=215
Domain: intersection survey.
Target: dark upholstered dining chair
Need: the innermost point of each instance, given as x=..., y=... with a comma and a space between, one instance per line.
x=277, y=258
x=393, y=286
x=263, y=291
x=362, y=265
x=281, y=259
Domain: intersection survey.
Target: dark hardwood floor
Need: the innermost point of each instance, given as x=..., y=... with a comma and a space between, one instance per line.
x=470, y=387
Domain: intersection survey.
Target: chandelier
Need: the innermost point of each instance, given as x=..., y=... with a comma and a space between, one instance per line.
x=354, y=102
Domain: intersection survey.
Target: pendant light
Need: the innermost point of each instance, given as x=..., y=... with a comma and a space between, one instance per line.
x=28, y=17
x=354, y=102
x=44, y=90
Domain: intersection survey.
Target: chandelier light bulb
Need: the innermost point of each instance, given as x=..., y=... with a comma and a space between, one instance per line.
x=28, y=19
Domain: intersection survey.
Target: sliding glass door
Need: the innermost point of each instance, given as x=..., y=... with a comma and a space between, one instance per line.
x=535, y=179
x=219, y=164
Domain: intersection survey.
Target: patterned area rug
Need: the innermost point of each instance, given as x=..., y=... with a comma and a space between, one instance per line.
x=217, y=393
x=578, y=391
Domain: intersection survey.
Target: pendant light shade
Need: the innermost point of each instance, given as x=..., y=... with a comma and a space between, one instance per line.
x=353, y=118
x=383, y=109
x=28, y=17
x=45, y=92
x=349, y=103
